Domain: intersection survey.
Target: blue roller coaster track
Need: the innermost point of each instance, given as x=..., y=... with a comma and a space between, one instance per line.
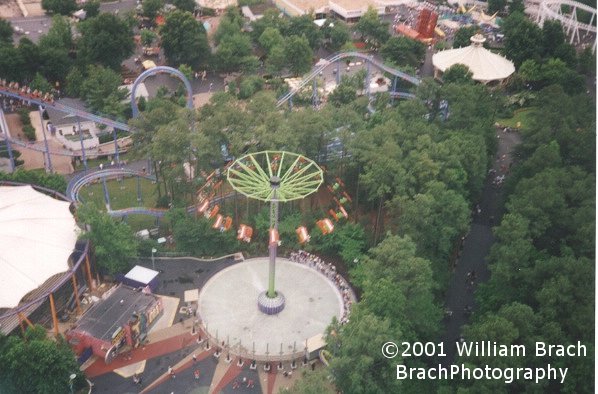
x=348, y=55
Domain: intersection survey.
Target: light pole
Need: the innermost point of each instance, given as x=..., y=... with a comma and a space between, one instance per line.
x=71, y=378
x=153, y=260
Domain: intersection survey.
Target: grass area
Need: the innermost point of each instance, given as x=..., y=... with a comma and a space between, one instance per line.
x=123, y=194
x=522, y=115
x=140, y=222
x=93, y=163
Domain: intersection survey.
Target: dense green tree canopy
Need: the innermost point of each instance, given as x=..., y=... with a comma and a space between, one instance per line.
x=51, y=181
x=36, y=364
x=5, y=32
x=113, y=241
x=151, y=8
x=523, y=39
x=403, y=51
x=458, y=73
x=184, y=40
x=105, y=40
x=63, y=7
x=372, y=28
x=463, y=36
x=185, y=5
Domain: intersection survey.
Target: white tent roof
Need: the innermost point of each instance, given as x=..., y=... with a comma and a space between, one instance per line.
x=485, y=65
x=141, y=274
x=37, y=235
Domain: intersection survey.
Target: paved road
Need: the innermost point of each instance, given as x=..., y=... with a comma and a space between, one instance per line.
x=35, y=27
x=476, y=246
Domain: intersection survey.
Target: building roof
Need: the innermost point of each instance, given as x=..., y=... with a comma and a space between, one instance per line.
x=141, y=274
x=108, y=314
x=59, y=118
x=485, y=65
x=37, y=236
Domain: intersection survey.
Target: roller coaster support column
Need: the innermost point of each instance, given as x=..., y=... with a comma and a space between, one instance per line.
x=82, y=145
x=290, y=103
x=394, y=89
x=116, y=157
x=338, y=72
x=314, y=96
x=41, y=119
x=139, y=189
x=4, y=128
x=106, y=195
x=367, y=79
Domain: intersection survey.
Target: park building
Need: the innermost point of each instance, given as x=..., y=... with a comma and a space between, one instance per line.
x=486, y=67
x=122, y=317
x=347, y=10
x=47, y=273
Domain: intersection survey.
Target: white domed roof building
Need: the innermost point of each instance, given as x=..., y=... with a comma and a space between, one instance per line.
x=487, y=67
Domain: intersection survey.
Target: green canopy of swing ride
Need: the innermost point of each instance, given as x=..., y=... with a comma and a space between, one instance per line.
x=251, y=175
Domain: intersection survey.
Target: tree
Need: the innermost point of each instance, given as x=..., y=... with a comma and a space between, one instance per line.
x=463, y=36
x=99, y=87
x=74, y=82
x=187, y=71
x=113, y=242
x=91, y=8
x=276, y=60
x=337, y=34
x=458, y=73
x=30, y=54
x=496, y=6
x=395, y=260
x=270, y=38
x=147, y=37
x=343, y=94
x=55, y=63
x=40, y=83
x=403, y=51
x=299, y=53
x=311, y=383
x=523, y=39
x=271, y=18
x=304, y=26
x=184, y=40
x=516, y=6
x=60, y=35
x=370, y=27
x=197, y=237
x=232, y=52
x=11, y=63
x=62, y=7
x=53, y=363
x=230, y=25
x=5, y=32
x=369, y=372
x=51, y=181
x=185, y=5
x=151, y=8
x=105, y=40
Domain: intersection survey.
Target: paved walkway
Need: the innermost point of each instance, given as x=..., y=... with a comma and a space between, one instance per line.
x=476, y=246
x=162, y=342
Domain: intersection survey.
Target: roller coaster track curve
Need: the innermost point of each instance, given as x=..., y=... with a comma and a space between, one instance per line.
x=344, y=55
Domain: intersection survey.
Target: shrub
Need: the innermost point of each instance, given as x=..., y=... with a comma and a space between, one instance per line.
x=29, y=132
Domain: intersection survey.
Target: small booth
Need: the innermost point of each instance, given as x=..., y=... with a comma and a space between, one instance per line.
x=141, y=277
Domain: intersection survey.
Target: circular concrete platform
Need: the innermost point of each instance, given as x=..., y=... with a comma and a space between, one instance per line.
x=229, y=311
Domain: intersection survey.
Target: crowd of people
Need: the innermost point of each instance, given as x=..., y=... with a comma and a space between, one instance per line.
x=328, y=270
